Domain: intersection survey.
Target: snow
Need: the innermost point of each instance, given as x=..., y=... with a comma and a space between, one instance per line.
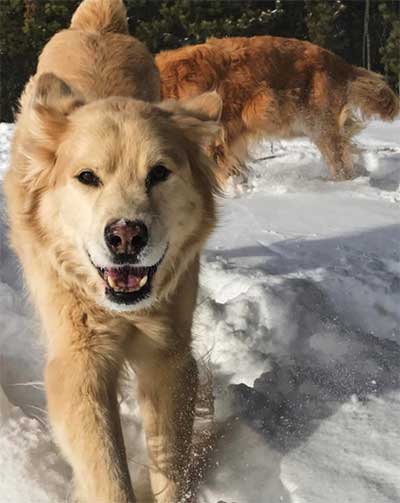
x=298, y=320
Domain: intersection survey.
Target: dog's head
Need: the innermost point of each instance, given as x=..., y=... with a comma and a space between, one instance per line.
x=121, y=191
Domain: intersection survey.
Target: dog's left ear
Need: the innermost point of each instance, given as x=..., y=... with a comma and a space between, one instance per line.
x=197, y=117
x=206, y=106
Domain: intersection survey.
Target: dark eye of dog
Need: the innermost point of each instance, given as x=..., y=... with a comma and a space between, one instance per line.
x=157, y=174
x=89, y=178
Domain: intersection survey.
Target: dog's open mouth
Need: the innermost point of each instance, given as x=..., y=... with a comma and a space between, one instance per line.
x=127, y=284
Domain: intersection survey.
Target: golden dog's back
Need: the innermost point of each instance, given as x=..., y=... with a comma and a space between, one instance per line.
x=238, y=66
x=97, y=44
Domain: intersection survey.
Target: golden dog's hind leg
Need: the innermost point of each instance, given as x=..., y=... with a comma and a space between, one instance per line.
x=167, y=394
x=81, y=382
x=335, y=148
x=337, y=155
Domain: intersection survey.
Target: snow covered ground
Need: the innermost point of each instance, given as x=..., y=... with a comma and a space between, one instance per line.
x=299, y=318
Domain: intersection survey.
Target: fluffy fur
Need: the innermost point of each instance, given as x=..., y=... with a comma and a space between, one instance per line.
x=279, y=88
x=82, y=111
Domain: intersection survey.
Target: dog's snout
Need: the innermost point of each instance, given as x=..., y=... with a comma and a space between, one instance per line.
x=126, y=236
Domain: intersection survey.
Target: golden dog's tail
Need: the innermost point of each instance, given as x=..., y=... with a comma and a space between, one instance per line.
x=370, y=93
x=103, y=16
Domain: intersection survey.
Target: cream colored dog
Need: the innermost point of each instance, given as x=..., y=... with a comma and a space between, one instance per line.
x=110, y=200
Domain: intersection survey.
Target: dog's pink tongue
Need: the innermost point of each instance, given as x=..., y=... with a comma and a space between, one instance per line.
x=124, y=279
x=133, y=281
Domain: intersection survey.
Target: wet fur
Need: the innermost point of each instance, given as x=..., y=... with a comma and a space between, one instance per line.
x=278, y=88
x=69, y=121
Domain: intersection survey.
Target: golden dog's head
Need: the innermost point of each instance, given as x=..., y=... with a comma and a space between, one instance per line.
x=121, y=190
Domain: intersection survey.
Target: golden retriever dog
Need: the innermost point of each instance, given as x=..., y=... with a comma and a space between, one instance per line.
x=278, y=88
x=110, y=200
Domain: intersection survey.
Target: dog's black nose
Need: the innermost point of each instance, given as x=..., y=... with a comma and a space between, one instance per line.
x=126, y=237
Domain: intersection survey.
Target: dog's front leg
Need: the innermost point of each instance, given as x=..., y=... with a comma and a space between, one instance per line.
x=81, y=382
x=167, y=394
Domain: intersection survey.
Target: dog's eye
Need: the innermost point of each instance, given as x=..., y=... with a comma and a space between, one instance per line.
x=157, y=174
x=89, y=178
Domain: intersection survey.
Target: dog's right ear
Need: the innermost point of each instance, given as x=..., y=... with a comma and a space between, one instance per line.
x=55, y=94
x=53, y=100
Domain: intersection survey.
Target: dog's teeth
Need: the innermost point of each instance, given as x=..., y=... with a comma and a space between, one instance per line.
x=143, y=281
x=111, y=282
x=117, y=287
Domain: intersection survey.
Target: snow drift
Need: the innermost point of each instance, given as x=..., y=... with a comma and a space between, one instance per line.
x=298, y=317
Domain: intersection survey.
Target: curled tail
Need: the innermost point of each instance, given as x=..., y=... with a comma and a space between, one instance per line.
x=370, y=93
x=103, y=16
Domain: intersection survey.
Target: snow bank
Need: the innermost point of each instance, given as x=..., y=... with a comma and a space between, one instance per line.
x=298, y=319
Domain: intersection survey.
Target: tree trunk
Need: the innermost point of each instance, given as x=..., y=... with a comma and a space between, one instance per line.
x=366, y=39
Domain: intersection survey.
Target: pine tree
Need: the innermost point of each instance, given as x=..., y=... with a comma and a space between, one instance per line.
x=366, y=37
x=26, y=25
x=321, y=21
x=173, y=23
x=390, y=50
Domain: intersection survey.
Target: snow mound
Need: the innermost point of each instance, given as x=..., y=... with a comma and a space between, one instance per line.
x=298, y=321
